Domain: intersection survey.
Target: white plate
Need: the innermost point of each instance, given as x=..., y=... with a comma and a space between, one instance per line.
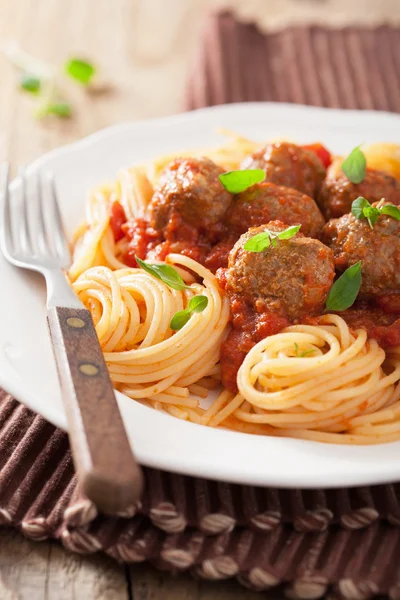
x=26, y=363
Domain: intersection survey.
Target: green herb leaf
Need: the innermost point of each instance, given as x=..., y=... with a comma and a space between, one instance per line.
x=240, y=180
x=357, y=207
x=288, y=233
x=30, y=83
x=198, y=304
x=258, y=243
x=59, y=109
x=345, y=289
x=361, y=209
x=391, y=210
x=81, y=70
x=261, y=241
x=165, y=273
x=372, y=214
x=303, y=353
x=179, y=319
x=355, y=166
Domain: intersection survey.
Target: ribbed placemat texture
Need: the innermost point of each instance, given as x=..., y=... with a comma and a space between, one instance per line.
x=308, y=541
x=352, y=67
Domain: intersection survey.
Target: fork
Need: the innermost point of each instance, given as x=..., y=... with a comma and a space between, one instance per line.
x=107, y=470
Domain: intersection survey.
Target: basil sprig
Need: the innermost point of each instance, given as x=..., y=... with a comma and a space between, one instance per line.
x=239, y=181
x=41, y=79
x=196, y=305
x=263, y=240
x=30, y=83
x=355, y=166
x=362, y=209
x=165, y=273
x=80, y=70
x=345, y=289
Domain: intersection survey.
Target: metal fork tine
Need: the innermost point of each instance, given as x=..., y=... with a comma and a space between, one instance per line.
x=41, y=237
x=6, y=237
x=25, y=233
x=60, y=240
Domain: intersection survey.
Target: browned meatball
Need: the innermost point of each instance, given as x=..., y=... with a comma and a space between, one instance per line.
x=292, y=279
x=337, y=192
x=191, y=188
x=289, y=165
x=265, y=202
x=353, y=239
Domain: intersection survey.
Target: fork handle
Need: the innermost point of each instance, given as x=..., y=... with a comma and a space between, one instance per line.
x=107, y=470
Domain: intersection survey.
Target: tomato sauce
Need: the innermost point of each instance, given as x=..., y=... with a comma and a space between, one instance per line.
x=217, y=256
x=142, y=238
x=177, y=237
x=381, y=326
x=248, y=328
x=117, y=220
x=323, y=154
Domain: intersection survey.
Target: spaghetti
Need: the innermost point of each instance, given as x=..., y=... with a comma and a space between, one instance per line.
x=342, y=383
x=132, y=311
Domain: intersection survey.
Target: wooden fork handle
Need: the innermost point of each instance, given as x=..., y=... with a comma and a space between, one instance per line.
x=106, y=467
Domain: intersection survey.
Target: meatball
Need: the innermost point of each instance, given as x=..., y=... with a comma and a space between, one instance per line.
x=289, y=165
x=337, y=192
x=353, y=239
x=291, y=279
x=191, y=188
x=266, y=202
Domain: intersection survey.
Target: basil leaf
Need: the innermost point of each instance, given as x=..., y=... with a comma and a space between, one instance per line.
x=239, y=181
x=258, y=243
x=391, y=210
x=355, y=166
x=81, y=70
x=357, y=207
x=30, y=83
x=372, y=214
x=288, y=233
x=59, y=109
x=262, y=240
x=198, y=304
x=165, y=273
x=345, y=289
x=179, y=319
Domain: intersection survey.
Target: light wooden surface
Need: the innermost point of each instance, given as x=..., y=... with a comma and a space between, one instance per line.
x=144, y=49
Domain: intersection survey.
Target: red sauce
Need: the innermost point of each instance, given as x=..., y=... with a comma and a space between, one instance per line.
x=117, y=220
x=177, y=237
x=382, y=327
x=142, y=238
x=248, y=328
x=389, y=303
x=323, y=154
x=217, y=257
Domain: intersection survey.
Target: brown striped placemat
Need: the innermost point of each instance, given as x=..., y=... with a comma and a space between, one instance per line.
x=309, y=541
x=39, y=493
x=352, y=67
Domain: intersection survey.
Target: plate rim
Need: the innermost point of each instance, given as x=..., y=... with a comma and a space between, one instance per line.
x=58, y=419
